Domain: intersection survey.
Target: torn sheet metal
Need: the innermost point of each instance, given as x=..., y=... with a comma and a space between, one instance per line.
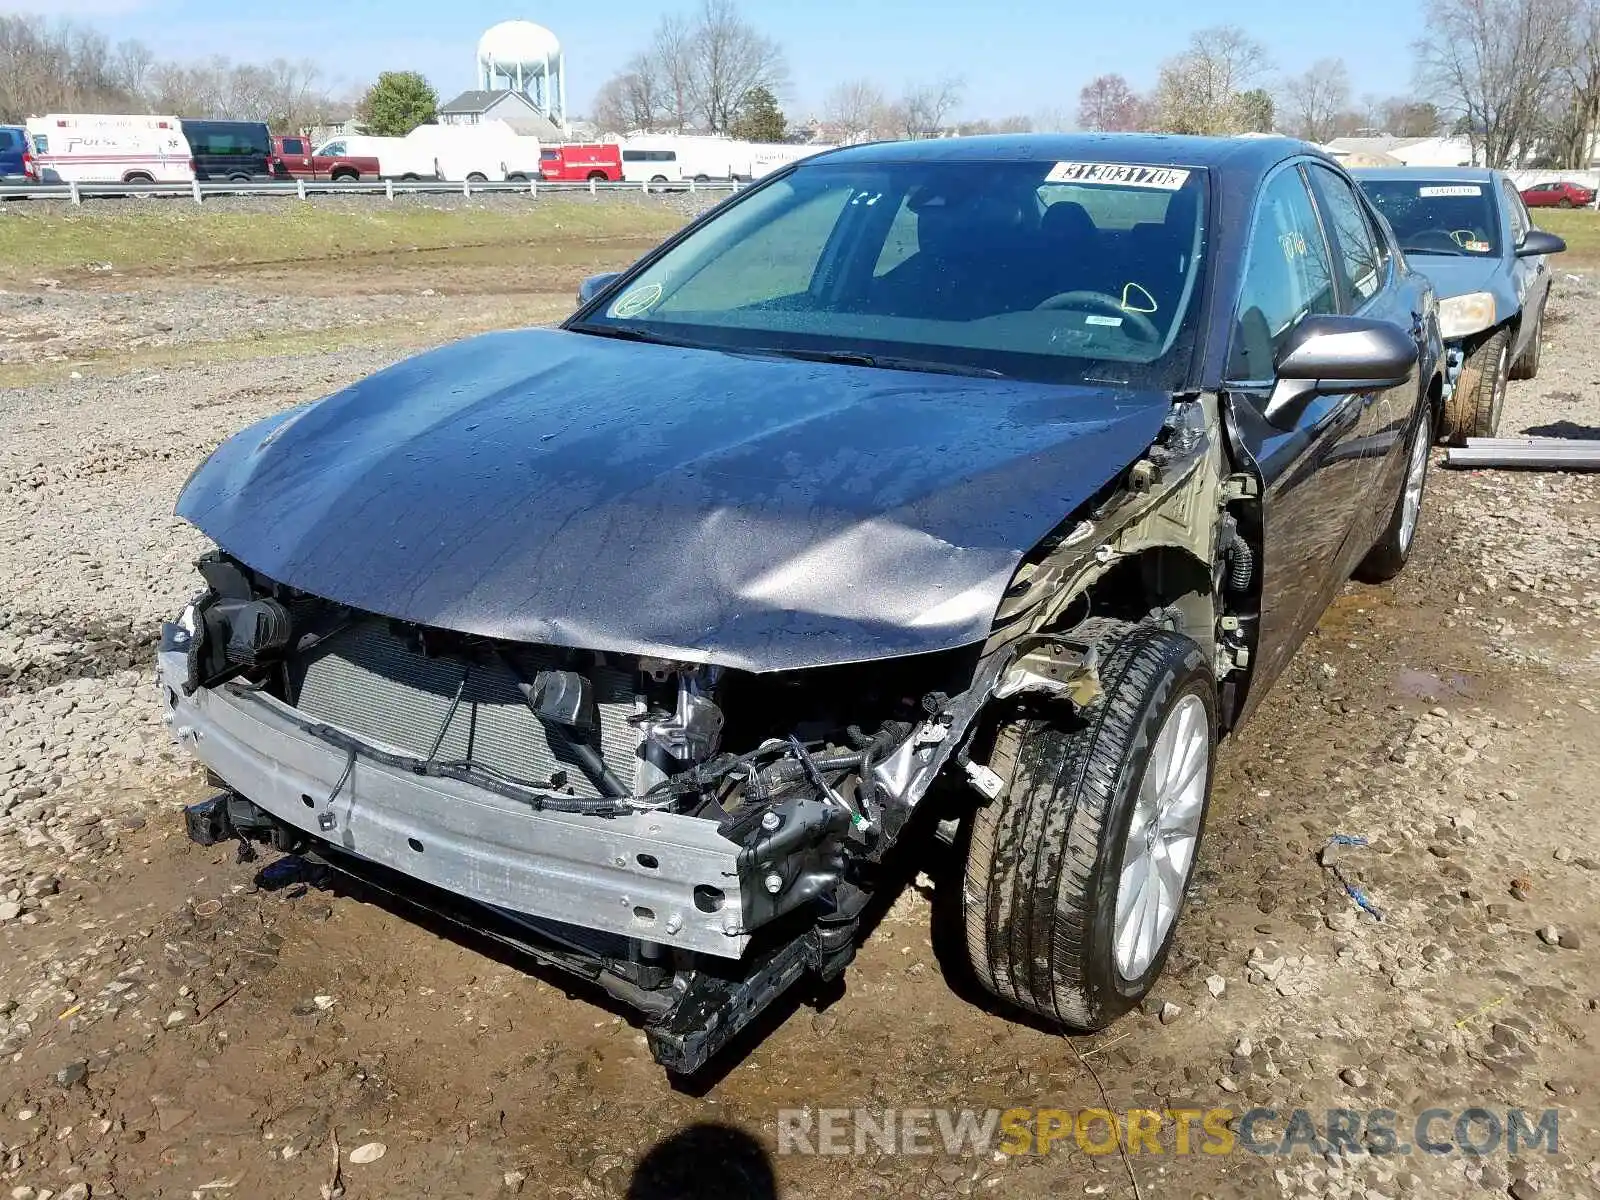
x=768, y=514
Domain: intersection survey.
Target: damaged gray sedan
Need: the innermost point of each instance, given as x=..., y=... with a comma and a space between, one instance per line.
x=966, y=488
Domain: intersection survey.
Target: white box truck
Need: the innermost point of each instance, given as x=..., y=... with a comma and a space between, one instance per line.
x=102, y=148
x=487, y=152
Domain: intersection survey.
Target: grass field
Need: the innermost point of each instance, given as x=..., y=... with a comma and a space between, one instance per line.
x=1581, y=228
x=169, y=236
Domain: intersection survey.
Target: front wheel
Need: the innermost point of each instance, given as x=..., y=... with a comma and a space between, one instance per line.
x=1076, y=873
x=1473, y=409
x=1392, y=550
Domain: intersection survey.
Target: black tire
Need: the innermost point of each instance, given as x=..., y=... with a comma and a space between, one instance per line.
x=137, y=177
x=1044, y=859
x=1527, y=364
x=1392, y=550
x=345, y=177
x=477, y=177
x=1473, y=409
x=1563, y=203
x=597, y=177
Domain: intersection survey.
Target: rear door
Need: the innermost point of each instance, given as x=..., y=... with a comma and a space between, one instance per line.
x=1312, y=473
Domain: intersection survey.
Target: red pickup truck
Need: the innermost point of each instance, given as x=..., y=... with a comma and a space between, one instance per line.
x=578, y=162
x=294, y=158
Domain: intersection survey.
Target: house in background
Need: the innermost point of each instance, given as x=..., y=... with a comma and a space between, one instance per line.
x=515, y=109
x=335, y=125
x=1409, y=152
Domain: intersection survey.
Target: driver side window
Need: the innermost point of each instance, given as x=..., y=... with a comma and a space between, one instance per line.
x=1288, y=276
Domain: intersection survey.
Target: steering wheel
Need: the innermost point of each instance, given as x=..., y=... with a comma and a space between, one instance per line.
x=1434, y=239
x=1101, y=302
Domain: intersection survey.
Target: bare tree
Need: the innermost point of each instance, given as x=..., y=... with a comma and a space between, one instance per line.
x=1314, y=100
x=924, y=108
x=1200, y=90
x=635, y=99
x=70, y=68
x=1575, y=119
x=1052, y=120
x=697, y=71
x=1406, y=116
x=731, y=60
x=672, y=66
x=1489, y=63
x=131, y=64
x=1108, y=104
x=855, y=109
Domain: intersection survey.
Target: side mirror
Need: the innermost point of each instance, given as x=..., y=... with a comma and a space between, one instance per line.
x=595, y=284
x=1329, y=355
x=1539, y=242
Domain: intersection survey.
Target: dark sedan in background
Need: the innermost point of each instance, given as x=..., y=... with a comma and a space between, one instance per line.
x=968, y=489
x=1467, y=229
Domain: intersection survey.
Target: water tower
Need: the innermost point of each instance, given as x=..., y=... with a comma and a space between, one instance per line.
x=519, y=56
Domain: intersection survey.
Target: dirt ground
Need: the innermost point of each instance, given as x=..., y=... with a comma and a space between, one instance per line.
x=176, y=1024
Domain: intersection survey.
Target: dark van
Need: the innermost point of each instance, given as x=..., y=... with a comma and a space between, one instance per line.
x=229, y=150
x=13, y=147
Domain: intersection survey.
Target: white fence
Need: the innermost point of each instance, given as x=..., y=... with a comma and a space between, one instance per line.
x=76, y=193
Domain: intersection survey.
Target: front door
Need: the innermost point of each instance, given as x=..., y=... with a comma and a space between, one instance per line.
x=1529, y=276
x=1370, y=287
x=1311, y=470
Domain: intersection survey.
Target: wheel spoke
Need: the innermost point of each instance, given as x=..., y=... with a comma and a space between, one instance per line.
x=1162, y=837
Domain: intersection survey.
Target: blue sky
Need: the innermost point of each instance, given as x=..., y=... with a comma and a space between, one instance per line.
x=1024, y=56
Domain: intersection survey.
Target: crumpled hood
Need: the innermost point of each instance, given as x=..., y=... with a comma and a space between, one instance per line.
x=554, y=487
x=1456, y=276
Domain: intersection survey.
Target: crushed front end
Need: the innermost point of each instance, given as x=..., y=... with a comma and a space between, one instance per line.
x=691, y=839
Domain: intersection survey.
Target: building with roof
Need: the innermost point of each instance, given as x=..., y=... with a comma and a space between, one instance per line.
x=514, y=108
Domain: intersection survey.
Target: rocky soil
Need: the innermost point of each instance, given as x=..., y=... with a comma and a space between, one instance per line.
x=1398, y=908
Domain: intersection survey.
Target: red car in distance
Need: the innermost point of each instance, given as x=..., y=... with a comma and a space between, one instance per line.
x=1557, y=193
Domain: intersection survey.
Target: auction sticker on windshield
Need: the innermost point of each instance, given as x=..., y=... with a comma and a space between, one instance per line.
x=1432, y=191
x=639, y=300
x=1167, y=179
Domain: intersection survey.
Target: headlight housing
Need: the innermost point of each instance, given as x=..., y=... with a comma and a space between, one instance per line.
x=1460, y=316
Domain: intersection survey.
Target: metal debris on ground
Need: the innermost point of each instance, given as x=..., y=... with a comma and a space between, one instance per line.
x=1528, y=453
x=1355, y=891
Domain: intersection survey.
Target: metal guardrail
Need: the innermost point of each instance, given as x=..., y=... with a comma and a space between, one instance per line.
x=76, y=193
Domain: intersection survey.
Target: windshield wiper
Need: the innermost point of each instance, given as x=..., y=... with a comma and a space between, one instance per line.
x=887, y=362
x=625, y=333
x=1433, y=250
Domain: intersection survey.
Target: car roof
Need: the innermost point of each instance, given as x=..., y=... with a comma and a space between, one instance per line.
x=1248, y=154
x=1428, y=174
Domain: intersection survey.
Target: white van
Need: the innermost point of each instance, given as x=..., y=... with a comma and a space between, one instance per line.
x=651, y=160
x=489, y=151
x=767, y=157
x=92, y=148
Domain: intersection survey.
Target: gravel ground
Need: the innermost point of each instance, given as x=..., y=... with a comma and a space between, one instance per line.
x=173, y=1023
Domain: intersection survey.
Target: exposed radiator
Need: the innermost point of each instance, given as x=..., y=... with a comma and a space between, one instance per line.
x=371, y=683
